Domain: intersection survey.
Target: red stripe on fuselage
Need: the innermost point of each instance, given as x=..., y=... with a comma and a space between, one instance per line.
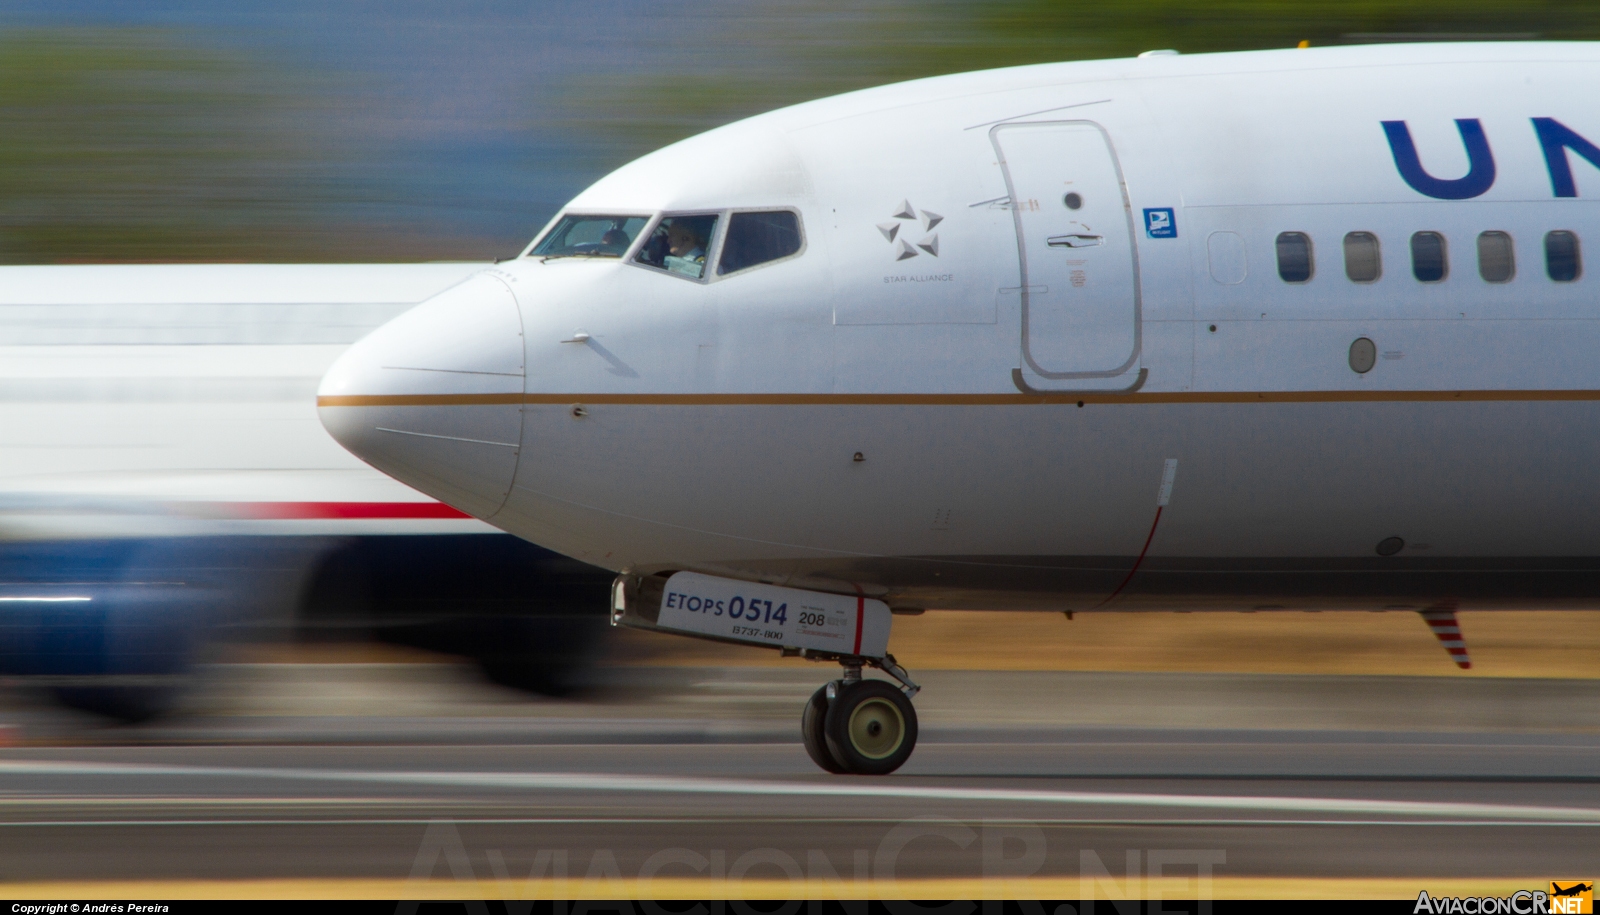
x=304, y=511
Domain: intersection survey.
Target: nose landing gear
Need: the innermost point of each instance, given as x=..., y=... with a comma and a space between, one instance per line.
x=864, y=727
x=858, y=726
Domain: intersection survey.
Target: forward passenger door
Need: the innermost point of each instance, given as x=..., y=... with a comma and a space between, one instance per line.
x=1078, y=276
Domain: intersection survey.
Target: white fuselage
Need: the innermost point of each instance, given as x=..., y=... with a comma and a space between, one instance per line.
x=963, y=389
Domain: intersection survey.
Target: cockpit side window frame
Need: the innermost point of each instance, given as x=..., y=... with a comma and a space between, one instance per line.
x=722, y=231
x=649, y=226
x=713, y=245
x=643, y=239
x=539, y=236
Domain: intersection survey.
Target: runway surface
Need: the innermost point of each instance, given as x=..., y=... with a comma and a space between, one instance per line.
x=671, y=788
x=1285, y=804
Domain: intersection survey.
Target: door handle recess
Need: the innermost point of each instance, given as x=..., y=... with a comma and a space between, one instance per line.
x=1075, y=241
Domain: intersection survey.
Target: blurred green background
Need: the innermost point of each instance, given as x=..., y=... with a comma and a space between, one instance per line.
x=349, y=130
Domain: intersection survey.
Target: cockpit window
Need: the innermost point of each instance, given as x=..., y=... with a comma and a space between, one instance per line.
x=756, y=238
x=590, y=236
x=679, y=244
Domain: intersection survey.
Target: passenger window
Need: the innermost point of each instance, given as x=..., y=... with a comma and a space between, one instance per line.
x=1428, y=262
x=756, y=238
x=1362, y=261
x=678, y=245
x=1561, y=259
x=1497, y=263
x=580, y=235
x=1294, y=257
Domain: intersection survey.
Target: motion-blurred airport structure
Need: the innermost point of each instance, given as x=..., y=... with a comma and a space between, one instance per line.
x=331, y=132
x=167, y=485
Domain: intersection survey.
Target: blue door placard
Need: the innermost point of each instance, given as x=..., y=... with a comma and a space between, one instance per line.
x=1159, y=223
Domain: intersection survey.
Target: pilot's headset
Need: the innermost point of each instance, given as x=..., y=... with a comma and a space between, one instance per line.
x=655, y=250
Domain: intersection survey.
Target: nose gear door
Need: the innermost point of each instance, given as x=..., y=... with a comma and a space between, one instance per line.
x=1079, y=272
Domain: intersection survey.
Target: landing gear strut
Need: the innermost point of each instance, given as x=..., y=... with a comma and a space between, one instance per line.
x=858, y=726
x=852, y=725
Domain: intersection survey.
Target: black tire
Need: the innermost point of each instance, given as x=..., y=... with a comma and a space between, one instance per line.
x=551, y=656
x=124, y=704
x=812, y=721
x=871, y=727
x=548, y=655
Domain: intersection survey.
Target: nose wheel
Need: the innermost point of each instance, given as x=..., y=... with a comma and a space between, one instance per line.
x=813, y=723
x=861, y=727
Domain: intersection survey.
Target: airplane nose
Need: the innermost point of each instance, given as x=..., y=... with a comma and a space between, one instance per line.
x=434, y=397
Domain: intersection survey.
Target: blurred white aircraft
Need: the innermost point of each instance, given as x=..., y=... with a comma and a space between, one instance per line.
x=163, y=477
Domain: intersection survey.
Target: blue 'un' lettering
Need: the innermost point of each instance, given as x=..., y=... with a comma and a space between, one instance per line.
x=1556, y=138
x=1480, y=171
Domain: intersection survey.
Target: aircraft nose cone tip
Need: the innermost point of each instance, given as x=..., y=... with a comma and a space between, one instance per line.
x=433, y=398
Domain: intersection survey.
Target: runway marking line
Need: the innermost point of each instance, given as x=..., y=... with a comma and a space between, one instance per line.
x=771, y=821
x=837, y=787
x=1221, y=887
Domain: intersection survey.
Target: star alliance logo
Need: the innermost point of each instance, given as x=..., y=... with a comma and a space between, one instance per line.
x=903, y=248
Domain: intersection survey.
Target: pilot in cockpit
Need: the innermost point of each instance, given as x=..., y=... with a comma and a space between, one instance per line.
x=615, y=241
x=686, y=249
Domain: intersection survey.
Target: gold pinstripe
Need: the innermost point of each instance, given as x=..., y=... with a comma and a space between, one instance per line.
x=997, y=400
